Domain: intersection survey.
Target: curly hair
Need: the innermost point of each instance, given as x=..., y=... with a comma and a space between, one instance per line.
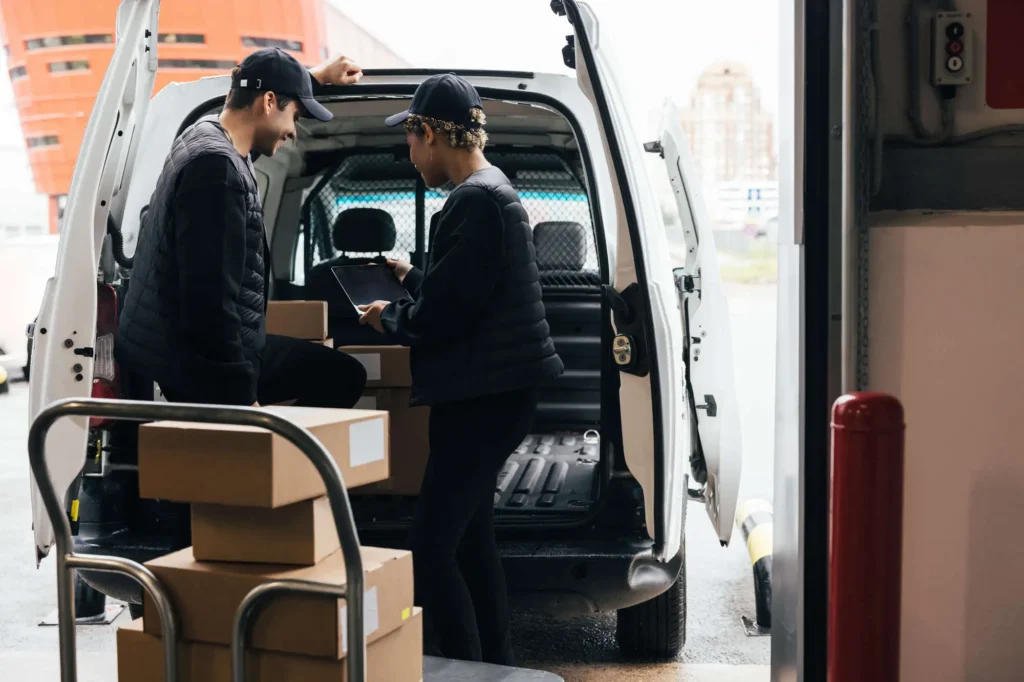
x=457, y=136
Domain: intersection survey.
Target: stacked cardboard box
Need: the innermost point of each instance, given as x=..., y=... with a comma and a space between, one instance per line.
x=258, y=515
x=388, y=382
x=300, y=320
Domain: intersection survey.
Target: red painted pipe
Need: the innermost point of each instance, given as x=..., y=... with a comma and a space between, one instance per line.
x=866, y=539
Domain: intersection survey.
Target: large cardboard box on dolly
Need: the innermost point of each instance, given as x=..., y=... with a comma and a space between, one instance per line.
x=251, y=467
x=298, y=319
x=386, y=366
x=302, y=533
x=396, y=657
x=410, y=445
x=206, y=594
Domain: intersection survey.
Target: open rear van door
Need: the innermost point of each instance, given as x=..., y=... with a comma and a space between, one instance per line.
x=65, y=349
x=717, y=455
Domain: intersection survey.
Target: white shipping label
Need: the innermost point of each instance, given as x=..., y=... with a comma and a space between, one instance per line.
x=371, y=617
x=367, y=402
x=371, y=361
x=366, y=442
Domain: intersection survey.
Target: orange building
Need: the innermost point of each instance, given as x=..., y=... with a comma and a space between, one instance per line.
x=58, y=50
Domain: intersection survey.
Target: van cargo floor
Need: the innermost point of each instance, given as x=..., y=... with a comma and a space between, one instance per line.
x=548, y=474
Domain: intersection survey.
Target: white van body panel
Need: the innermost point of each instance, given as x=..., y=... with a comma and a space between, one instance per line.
x=67, y=317
x=711, y=373
x=664, y=486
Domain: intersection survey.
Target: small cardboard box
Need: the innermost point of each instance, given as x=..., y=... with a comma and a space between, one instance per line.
x=410, y=443
x=298, y=319
x=206, y=594
x=397, y=657
x=386, y=366
x=250, y=467
x=302, y=533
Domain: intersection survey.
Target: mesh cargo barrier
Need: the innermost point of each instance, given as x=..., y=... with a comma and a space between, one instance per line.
x=551, y=189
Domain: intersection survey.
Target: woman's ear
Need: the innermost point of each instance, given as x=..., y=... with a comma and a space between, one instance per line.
x=428, y=135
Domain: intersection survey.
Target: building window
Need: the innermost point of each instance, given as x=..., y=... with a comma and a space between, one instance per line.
x=210, y=64
x=181, y=38
x=292, y=45
x=61, y=41
x=64, y=67
x=43, y=141
x=34, y=231
x=7, y=51
x=18, y=72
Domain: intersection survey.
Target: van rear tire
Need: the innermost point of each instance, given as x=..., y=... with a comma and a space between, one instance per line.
x=89, y=602
x=655, y=629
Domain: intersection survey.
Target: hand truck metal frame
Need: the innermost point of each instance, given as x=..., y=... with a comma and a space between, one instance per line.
x=68, y=561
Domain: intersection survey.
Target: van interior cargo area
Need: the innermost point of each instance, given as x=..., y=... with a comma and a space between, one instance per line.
x=342, y=179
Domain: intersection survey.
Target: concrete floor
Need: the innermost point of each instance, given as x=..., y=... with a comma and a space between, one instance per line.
x=583, y=650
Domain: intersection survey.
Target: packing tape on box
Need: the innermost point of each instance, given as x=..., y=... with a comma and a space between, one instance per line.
x=371, y=617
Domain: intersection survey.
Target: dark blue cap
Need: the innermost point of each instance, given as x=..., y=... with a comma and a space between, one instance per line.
x=446, y=97
x=275, y=70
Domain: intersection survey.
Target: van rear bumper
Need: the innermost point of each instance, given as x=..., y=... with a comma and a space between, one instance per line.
x=573, y=578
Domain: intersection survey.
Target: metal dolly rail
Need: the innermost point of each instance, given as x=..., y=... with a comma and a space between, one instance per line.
x=68, y=561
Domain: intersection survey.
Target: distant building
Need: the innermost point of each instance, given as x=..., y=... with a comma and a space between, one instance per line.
x=57, y=52
x=346, y=37
x=732, y=139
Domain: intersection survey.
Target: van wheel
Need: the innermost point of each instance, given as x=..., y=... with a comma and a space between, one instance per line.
x=655, y=629
x=89, y=603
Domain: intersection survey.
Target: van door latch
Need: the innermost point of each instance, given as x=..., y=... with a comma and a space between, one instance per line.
x=629, y=347
x=710, y=405
x=654, y=148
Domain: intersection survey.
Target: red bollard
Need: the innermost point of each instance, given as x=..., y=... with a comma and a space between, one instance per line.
x=866, y=539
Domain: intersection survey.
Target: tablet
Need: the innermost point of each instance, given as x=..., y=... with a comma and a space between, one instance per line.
x=364, y=284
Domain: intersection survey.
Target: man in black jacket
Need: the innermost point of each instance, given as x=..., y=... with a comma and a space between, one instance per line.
x=480, y=349
x=194, y=316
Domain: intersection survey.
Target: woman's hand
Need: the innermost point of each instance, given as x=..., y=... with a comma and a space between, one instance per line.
x=340, y=71
x=371, y=314
x=400, y=268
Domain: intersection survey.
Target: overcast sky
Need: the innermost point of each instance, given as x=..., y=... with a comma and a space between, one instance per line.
x=661, y=45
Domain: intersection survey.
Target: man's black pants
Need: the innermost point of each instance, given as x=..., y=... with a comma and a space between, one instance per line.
x=459, y=579
x=292, y=369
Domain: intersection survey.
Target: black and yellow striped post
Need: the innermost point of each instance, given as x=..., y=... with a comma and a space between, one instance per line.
x=754, y=519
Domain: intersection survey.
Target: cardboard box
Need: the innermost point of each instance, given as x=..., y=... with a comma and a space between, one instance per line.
x=302, y=533
x=251, y=467
x=206, y=594
x=386, y=366
x=410, y=444
x=298, y=319
x=397, y=657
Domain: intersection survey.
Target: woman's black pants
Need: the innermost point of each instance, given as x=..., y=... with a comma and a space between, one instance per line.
x=460, y=583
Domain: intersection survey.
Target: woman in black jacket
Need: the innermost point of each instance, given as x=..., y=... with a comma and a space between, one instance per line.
x=480, y=348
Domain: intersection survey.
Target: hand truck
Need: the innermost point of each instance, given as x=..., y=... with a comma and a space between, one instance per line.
x=435, y=670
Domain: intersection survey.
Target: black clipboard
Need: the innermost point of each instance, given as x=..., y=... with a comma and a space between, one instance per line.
x=364, y=284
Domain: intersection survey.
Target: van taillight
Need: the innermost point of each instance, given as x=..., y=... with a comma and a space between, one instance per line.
x=103, y=362
x=104, y=390
x=105, y=384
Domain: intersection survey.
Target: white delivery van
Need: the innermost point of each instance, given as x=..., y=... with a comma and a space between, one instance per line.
x=646, y=404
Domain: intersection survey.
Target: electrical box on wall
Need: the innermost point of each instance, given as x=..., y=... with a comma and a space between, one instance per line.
x=952, y=49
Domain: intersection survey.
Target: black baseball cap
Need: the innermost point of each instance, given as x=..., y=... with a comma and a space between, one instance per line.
x=446, y=97
x=274, y=69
